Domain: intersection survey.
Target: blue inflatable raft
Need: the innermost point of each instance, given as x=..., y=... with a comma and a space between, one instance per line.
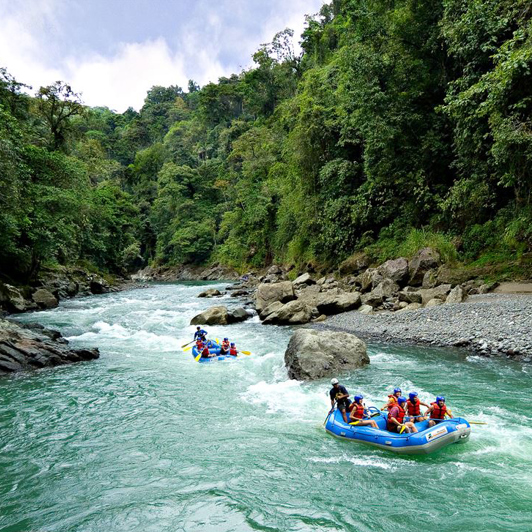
x=425, y=441
x=214, y=349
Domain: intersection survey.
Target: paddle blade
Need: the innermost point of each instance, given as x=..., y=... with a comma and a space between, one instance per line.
x=197, y=358
x=246, y=352
x=354, y=423
x=187, y=348
x=402, y=429
x=476, y=423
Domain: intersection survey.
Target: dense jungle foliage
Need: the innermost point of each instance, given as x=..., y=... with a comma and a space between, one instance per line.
x=402, y=123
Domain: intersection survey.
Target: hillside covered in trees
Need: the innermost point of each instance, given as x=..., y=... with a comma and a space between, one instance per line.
x=402, y=123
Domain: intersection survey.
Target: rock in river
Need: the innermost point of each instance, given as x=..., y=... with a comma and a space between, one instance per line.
x=315, y=354
x=33, y=346
x=220, y=316
x=270, y=293
x=211, y=292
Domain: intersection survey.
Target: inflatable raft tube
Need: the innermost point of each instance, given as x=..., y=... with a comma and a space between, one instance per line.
x=214, y=349
x=425, y=441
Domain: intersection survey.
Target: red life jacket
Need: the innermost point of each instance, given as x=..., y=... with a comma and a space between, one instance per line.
x=358, y=410
x=200, y=345
x=233, y=351
x=390, y=425
x=205, y=352
x=413, y=408
x=438, y=411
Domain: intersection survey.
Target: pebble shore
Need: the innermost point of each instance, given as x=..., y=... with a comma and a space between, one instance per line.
x=488, y=325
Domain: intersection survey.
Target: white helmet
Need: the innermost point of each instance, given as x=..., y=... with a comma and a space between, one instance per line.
x=334, y=381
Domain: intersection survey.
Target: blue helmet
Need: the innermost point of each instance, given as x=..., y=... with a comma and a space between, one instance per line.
x=232, y=344
x=358, y=398
x=412, y=395
x=401, y=400
x=397, y=390
x=226, y=339
x=440, y=398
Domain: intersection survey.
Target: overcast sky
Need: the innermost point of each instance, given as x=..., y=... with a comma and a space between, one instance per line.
x=113, y=51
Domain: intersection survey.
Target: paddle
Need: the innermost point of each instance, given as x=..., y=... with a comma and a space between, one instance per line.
x=197, y=358
x=402, y=429
x=330, y=412
x=187, y=344
x=246, y=352
x=188, y=348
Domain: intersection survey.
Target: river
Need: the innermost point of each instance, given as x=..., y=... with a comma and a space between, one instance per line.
x=146, y=439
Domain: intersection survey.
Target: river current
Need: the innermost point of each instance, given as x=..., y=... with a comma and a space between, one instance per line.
x=146, y=439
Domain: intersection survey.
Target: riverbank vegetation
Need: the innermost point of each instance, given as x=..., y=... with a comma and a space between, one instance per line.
x=401, y=124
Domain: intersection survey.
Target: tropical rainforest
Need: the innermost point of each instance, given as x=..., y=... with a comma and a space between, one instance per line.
x=401, y=123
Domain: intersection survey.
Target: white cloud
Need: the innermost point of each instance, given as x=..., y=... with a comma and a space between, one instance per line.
x=30, y=48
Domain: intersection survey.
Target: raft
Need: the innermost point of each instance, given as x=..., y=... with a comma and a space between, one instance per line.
x=425, y=441
x=214, y=349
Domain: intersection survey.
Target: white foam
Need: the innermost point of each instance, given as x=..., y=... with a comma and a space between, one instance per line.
x=361, y=462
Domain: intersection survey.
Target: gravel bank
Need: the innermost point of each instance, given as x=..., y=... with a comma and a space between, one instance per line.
x=489, y=325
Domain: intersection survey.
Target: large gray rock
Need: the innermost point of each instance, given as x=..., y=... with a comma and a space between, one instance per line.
x=303, y=280
x=274, y=307
x=291, y=313
x=456, y=295
x=439, y=292
x=269, y=293
x=44, y=298
x=424, y=260
x=434, y=303
x=396, y=270
x=212, y=316
x=337, y=303
x=211, y=292
x=239, y=314
x=430, y=279
x=369, y=279
x=23, y=348
x=310, y=295
x=316, y=354
x=387, y=288
x=11, y=298
x=410, y=295
x=98, y=285
x=409, y=307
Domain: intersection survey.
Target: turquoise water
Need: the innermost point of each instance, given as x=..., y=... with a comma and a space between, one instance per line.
x=146, y=439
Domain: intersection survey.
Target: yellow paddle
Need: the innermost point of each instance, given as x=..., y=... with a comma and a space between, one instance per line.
x=402, y=429
x=187, y=344
x=355, y=422
x=188, y=348
x=246, y=352
x=197, y=358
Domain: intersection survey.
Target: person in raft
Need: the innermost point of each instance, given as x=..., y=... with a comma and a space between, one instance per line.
x=232, y=350
x=200, y=334
x=202, y=348
x=437, y=411
x=339, y=395
x=224, y=348
x=358, y=413
x=413, y=408
x=396, y=416
x=392, y=399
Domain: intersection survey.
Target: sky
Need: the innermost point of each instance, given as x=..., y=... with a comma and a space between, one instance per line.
x=113, y=51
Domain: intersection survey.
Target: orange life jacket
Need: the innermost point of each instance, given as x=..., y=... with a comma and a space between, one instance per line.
x=413, y=408
x=438, y=411
x=390, y=425
x=359, y=410
x=233, y=351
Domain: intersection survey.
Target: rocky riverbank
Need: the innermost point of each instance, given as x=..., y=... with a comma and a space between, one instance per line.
x=488, y=325
x=25, y=347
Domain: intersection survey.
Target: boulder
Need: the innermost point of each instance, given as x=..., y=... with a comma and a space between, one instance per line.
x=311, y=294
x=424, y=260
x=275, y=306
x=366, y=309
x=211, y=292
x=452, y=275
x=434, y=302
x=387, y=288
x=212, y=316
x=44, y=298
x=11, y=298
x=354, y=264
x=410, y=306
x=291, y=313
x=320, y=318
x=439, y=292
x=430, y=279
x=98, y=285
x=304, y=280
x=456, y=295
x=396, y=270
x=369, y=279
x=316, y=354
x=337, y=303
x=238, y=315
x=269, y=293
x=410, y=295
x=239, y=293
x=24, y=348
